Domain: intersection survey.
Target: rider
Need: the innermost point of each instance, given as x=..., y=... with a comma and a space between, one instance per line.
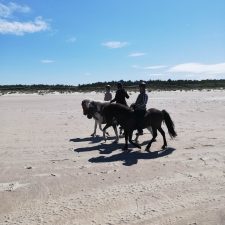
x=108, y=94
x=121, y=95
x=140, y=107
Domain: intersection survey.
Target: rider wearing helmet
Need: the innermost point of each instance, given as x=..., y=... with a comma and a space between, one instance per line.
x=140, y=107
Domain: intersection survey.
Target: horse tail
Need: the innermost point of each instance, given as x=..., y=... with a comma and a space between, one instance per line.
x=169, y=123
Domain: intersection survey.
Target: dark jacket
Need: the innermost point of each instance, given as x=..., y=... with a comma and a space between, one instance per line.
x=120, y=97
x=141, y=101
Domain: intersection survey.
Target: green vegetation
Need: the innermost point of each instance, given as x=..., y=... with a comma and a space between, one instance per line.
x=37, y=88
x=159, y=85
x=129, y=85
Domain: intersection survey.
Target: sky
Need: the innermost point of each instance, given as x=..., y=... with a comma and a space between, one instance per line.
x=84, y=41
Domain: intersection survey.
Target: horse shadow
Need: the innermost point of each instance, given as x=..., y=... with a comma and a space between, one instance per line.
x=91, y=139
x=130, y=158
x=103, y=148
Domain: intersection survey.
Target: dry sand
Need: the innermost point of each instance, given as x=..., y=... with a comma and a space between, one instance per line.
x=53, y=172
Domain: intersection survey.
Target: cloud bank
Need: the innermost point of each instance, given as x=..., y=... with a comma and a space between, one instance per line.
x=8, y=25
x=192, y=70
x=198, y=68
x=6, y=11
x=20, y=28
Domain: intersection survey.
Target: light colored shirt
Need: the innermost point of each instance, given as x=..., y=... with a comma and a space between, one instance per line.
x=108, y=96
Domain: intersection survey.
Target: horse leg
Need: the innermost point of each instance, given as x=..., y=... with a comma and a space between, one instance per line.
x=149, y=129
x=95, y=127
x=116, y=132
x=100, y=127
x=137, y=135
x=121, y=130
x=154, y=135
x=164, y=137
x=104, y=130
x=133, y=143
x=136, y=139
x=126, y=141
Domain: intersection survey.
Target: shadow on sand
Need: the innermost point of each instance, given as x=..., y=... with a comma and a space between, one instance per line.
x=95, y=139
x=103, y=148
x=130, y=158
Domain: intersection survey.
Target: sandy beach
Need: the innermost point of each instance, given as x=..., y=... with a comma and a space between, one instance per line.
x=53, y=172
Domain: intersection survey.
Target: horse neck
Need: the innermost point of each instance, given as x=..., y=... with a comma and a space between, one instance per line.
x=97, y=116
x=123, y=114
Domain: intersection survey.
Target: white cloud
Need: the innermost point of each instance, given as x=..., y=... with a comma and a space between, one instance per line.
x=115, y=44
x=7, y=11
x=47, y=61
x=8, y=25
x=149, y=67
x=136, y=54
x=198, y=68
x=71, y=40
x=20, y=28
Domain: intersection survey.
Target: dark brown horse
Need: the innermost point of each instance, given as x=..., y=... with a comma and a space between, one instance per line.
x=126, y=117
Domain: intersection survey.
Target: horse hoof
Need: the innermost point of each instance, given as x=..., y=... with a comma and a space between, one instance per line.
x=115, y=142
x=163, y=147
x=147, y=150
x=93, y=135
x=139, y=146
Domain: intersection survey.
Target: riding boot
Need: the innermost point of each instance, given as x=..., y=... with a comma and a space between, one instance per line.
x=139, y=121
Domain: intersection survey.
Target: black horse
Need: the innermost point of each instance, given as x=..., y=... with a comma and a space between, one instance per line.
x=126, y=117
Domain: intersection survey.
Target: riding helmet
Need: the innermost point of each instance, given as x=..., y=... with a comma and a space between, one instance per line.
x=142, y=84
x=119, y=85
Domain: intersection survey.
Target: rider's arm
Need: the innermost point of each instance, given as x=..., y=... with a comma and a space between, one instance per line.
x=126, y=95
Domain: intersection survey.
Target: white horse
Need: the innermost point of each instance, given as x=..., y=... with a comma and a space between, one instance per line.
x=93, y=109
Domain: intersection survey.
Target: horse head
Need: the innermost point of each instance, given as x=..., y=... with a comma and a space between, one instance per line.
x=85, y=105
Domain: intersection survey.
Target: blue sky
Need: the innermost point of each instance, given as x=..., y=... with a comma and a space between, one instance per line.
x=85, y=41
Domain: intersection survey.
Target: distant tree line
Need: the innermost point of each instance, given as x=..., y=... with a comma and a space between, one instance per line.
x=129, y=85
x=158, y=85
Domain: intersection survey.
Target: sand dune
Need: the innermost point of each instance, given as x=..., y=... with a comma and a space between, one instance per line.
x=53, y=172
